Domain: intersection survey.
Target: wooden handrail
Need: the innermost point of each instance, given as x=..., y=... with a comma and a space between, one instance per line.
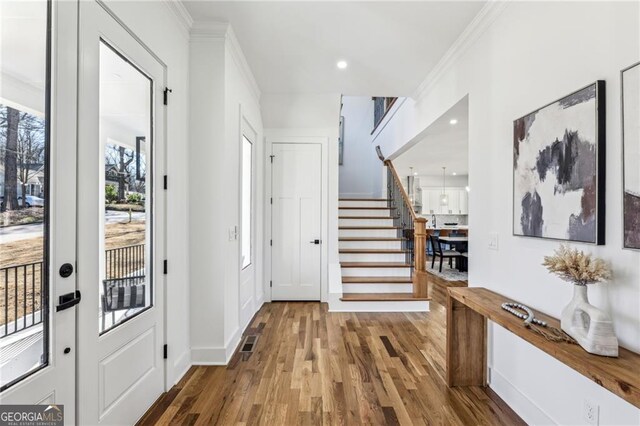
x=405, y=196
x=420, y=286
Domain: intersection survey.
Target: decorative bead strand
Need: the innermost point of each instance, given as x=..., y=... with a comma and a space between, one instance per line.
x=528, y=317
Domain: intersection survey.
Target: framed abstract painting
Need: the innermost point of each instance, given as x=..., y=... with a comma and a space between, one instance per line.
x=631, y=155
x=559, y=169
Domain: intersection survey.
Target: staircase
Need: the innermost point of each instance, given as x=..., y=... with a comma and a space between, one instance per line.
x=374, y=265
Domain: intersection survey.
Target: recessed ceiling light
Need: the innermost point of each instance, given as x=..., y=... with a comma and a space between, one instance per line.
x=454, y=173
x=342, y=64
x=467, y=188
x=415, y=173
x=453, y=121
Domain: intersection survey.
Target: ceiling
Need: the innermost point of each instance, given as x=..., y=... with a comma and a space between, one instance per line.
x=23, y=27
x=439, y=145
x=293, y=46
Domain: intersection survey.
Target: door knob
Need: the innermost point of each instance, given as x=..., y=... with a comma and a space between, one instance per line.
x=315, y=241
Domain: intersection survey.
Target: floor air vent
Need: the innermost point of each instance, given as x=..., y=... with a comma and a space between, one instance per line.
x=249, y=343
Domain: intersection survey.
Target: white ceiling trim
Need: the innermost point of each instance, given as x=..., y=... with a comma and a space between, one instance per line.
x=217, y=29
x=181, y=14
x=241, y=61
x=480, y=23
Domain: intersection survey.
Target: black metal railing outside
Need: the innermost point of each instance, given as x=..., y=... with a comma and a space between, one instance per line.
x=22, y=297
x=124, y=262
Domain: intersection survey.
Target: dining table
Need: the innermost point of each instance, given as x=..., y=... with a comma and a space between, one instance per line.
x=461, y=245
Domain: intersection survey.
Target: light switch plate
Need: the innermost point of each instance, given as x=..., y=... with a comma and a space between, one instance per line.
x=493, y=241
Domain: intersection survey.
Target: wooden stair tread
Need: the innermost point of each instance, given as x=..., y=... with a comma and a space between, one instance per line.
x=366, y=208
x=365, y=217
x=371, y=239
x=382, y=280
x=364, y=199
x=374, y=265
x=380, y=297
x=373, y=251
x=369, y=227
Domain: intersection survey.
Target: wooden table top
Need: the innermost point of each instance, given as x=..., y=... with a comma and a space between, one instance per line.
x=454, y=239
x=619, y=375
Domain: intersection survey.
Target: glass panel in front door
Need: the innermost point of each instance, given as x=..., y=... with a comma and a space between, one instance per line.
x=24, y=144
x=126, y=285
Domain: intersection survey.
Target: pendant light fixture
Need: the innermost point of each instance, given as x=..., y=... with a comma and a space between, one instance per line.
x=444, y=198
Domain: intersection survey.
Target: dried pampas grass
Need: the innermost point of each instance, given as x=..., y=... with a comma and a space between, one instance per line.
x=576, y=266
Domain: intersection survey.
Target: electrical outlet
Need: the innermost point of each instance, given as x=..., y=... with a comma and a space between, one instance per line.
x=591, y=412
x=493, y=241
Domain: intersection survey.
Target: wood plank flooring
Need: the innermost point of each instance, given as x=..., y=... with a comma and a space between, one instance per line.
x=312, y=367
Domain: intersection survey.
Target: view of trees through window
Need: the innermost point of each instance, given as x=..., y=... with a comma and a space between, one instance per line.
x=22, y=149
x=124, y=175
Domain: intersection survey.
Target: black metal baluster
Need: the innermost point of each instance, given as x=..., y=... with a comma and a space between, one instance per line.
x=6, y=302
x=15, y=299
x=24, y=297
x=33, y=294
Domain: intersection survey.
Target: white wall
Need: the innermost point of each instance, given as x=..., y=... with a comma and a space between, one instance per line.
x=167, y=37
x=513, y=60
x=222, y=93
x=361, y=171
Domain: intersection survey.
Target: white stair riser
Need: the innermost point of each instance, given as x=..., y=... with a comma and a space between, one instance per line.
x=365, y=222
x=363, y=203
x=376, y=272
x=394, y=245
x=370, y=233
x=372, y=257
x=364, y=212
x=377, y=288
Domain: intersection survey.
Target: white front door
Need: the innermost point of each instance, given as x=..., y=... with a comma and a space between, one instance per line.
x=37, y=332
x=296, y=221
x=120, y=222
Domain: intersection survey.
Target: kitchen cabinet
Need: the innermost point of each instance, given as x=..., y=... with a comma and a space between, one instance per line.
x=458, y=201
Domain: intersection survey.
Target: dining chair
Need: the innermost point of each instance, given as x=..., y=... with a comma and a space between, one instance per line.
x=442, y=254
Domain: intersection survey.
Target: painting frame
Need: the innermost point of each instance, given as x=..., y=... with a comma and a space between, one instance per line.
x=598, y=237
x=634, y=244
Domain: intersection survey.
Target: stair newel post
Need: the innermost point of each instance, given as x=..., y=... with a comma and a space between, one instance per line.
x=420, y=286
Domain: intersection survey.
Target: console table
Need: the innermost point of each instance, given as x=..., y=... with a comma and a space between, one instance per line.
x=469, y=308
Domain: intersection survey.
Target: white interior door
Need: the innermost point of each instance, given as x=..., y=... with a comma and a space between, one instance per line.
x=38, y=335
x=247, y=290
x=120, y=222
x=296, y=221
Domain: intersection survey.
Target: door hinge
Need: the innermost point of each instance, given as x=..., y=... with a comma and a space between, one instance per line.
x=166, y=95
x=270, y=283
x=165, y=351
x=271, y=242
x=271, y=156
x=165, y=182
x=271, y=200
x=164, y=270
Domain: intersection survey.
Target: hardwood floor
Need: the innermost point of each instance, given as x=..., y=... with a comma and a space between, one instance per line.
x=314, y=367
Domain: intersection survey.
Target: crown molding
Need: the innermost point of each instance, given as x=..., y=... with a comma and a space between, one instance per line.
x=480, y=23
x=209, y=29
x=241, y=61
x=223, y=30
x=180, y=12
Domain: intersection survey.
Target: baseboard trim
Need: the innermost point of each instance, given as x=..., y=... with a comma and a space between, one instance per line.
x=182, y=364
x=205, y=355
x=529, y=412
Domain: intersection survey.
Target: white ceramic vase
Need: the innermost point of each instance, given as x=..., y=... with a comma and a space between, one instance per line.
x=591, y=327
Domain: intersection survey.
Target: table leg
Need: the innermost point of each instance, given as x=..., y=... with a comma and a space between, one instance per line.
x=466, y=346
